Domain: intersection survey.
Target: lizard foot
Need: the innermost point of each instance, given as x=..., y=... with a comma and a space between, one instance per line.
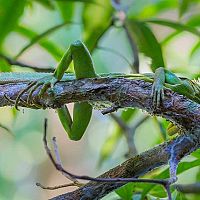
x=46, y=82
x=22, y=102
x=157, y=94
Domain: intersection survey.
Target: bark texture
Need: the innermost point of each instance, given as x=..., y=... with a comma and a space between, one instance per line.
x=111, y=94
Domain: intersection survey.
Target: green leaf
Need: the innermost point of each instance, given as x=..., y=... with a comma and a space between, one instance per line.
x=4, y=66
x=194, y=21
x=41, y=36
x=95, y=27
x=147, y=42
x=178, y=196
x=126, y=191
x=10, y=12
x=53, y=49
x=182, y=167
x=174, y=25
x=196, y=153
x=198, y=175
x=66, y=9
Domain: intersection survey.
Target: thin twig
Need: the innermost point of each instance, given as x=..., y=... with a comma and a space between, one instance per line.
x=129, y=132
x=58, y=166
x=37, y=69
x=120, y=122
x=136, y=62
x=116, y=4
x=58, y=159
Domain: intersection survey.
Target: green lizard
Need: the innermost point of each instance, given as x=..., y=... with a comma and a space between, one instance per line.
x=83, y=67
x=82, y=112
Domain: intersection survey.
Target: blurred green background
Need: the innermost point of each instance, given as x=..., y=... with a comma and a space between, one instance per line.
x=37, y=32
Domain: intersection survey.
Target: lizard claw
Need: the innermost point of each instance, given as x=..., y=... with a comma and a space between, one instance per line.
x=157, y=95
x=31, y=84
x=46, y=82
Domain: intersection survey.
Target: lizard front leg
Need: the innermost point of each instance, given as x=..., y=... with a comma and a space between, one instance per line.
x=82, y=112
x=83, y=67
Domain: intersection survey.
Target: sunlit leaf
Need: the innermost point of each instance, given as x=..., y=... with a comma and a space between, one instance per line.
x=95, y=27
x=147, y=42
x=126, y=191
x=10, y=12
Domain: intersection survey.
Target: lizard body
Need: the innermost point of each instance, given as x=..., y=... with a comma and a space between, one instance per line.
x=83, y=67
x=186, y=87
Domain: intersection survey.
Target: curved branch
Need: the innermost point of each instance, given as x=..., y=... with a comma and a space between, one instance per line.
x=120, y=93
x=115, y=92
x=132, y=168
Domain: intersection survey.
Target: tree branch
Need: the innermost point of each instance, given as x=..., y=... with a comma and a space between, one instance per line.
x=115, y=92
x=35, y=68
x=121, y=93
x=132, y=168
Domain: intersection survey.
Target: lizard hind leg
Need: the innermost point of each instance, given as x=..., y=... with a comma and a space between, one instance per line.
x=46, y=82
x=30, y=85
